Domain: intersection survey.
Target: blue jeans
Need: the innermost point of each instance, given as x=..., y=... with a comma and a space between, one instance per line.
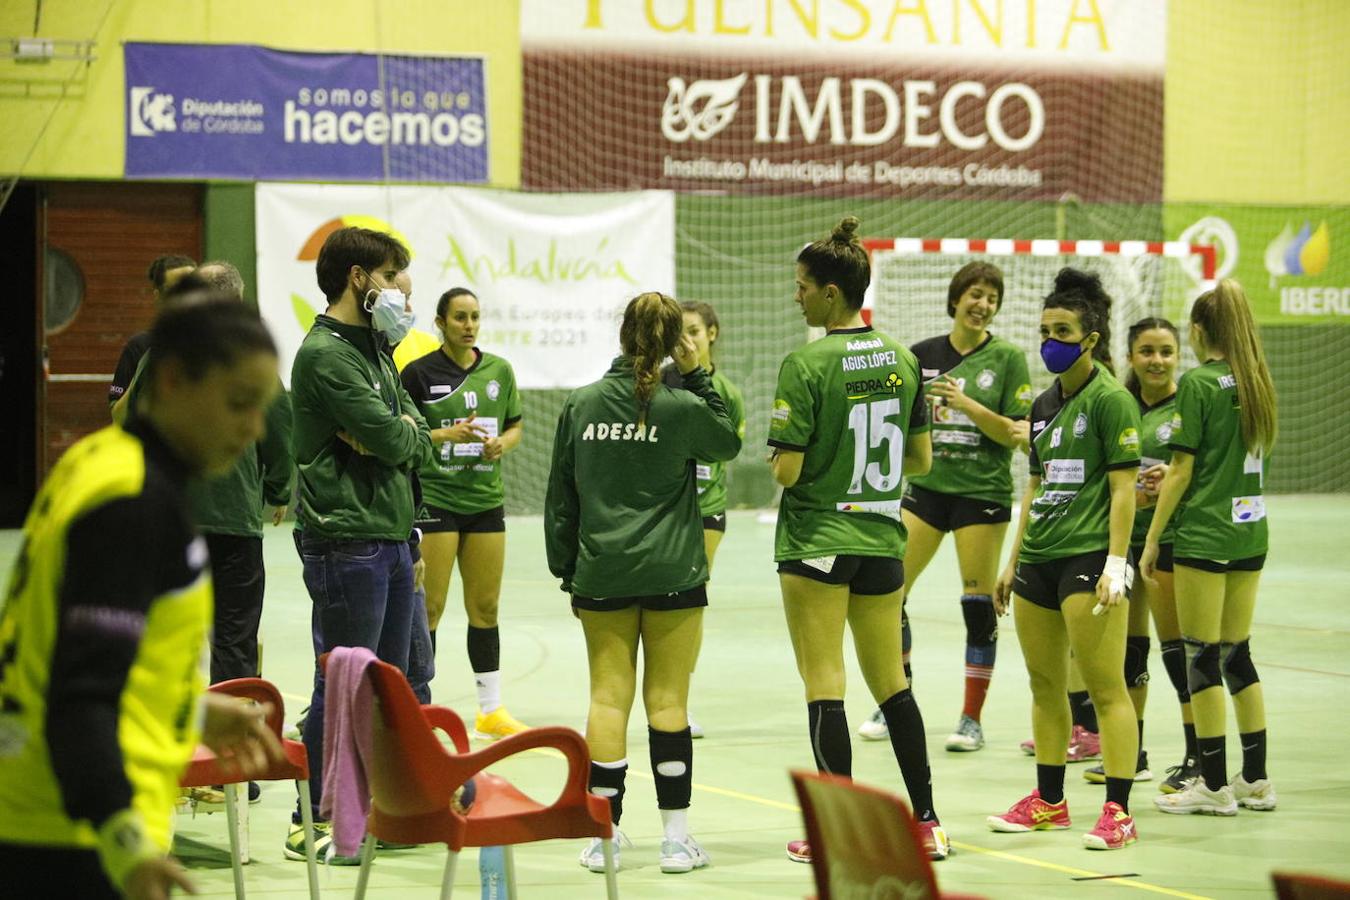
x=362, y=593
x=421, y=655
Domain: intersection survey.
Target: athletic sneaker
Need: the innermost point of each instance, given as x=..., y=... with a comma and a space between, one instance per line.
x=1113, y=831
x=1031, y=813
x=1198, y=798
x=593, y=857
x=1097, y=774
x=682, y=856
x=968, y=736
x=1180, y=777
x=1258, y=794
x=875, y=728
x=496, y=725
x=799, y=851
x=1083, y=745
x=201, y=799
x=294, y=847
x=935, y=840
x=695, y=729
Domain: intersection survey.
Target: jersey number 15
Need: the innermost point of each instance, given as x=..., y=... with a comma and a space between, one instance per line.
x=872, y=431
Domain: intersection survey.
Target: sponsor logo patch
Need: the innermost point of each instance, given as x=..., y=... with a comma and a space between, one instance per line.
x=1248, y=509
x=1129, y=439
x=1065, y=471
x=1080, y=425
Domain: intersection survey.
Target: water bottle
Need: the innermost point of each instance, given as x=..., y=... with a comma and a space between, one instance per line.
x=492, y=872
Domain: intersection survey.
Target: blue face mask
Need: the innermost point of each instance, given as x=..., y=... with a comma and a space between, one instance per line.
x=387, y=315
x=1059, y=356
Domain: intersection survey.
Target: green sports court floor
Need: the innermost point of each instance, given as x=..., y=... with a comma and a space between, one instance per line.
x=747, y=695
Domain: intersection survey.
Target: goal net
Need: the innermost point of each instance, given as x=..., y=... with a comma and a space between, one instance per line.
x=907, y=298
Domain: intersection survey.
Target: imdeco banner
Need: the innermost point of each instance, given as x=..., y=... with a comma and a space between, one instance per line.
x=939, y=100
x=552, y=272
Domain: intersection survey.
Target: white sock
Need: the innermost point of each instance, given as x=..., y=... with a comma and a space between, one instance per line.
x=676, y=824
x=489, y=691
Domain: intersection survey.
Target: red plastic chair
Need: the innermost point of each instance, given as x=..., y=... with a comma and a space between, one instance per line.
x=413, y=777
x=864, y=842
x=205, y=770
x=1299, y=886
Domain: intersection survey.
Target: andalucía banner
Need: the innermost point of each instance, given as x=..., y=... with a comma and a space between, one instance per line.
x=552, y=272
x=1010, y=99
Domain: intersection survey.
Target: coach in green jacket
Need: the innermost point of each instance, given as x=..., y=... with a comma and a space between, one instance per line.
x=623, y=532
x=356, y=439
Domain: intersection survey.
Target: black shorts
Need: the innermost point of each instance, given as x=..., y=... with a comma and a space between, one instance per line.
x=693, y=598
x=1219, y=566
x=715, y=523
x=437, y=520
x=1047, y=584
x=949, y=512
x=869, y=575
x=1165, y=561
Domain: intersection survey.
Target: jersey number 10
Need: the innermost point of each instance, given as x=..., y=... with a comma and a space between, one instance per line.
x=872, y=431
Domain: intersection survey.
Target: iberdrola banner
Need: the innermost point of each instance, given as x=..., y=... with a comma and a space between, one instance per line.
x=552, y=272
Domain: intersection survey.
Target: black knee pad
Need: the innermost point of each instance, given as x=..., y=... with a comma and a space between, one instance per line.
x=1205, y=670
x=981, y=620
x=1174, y=661
x=1238, y=669
x=1136, y=661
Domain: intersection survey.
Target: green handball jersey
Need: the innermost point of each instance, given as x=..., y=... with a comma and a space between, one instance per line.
x=458, y=478
x=710, y=475
x=1075, y=442
x=849, y=402
x=1154, y=434
x=966, y=462
x=1223, y=514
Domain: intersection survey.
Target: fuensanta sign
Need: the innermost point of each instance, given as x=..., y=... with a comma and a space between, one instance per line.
x=552, y=272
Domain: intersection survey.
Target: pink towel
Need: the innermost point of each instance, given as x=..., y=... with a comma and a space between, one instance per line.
x=349, y=703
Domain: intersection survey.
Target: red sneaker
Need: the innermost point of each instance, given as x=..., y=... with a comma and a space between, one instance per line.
x=799, y=851
x=1083, y=745
x=1031, y=813
x=935, y=840
x=1114, y=830
x=1028, y=747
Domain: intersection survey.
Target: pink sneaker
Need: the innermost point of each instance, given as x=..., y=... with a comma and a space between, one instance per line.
x=1031, y=813
x=1083, y=745
x=799, y=851
x=1114, y=830
x=1028, y=747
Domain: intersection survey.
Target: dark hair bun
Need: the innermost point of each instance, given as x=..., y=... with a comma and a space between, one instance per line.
x=1087, y=285
x=844, y=232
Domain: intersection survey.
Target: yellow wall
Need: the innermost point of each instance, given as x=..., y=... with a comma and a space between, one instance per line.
x=1258, y=101
x=85, y=135
x=1258, y=91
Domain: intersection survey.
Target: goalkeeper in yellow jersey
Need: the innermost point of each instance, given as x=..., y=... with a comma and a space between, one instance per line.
x=104, y=627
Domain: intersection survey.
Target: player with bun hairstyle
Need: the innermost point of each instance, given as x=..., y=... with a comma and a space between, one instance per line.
x=622, y=530
x=849, y=420
x=1154, y=349
x=1069, y=575
x=704, y=329
x=469, y=398
x=1221, y=437
x=979, y=386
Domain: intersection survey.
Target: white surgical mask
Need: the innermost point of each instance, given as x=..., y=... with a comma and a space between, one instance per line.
x=387, y=313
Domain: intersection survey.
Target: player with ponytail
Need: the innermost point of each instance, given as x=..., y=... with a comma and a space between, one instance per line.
x=623, y=532
x=1213, y=497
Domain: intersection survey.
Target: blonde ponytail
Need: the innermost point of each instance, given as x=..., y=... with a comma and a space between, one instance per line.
x=1225, y=316
x=652, y=325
